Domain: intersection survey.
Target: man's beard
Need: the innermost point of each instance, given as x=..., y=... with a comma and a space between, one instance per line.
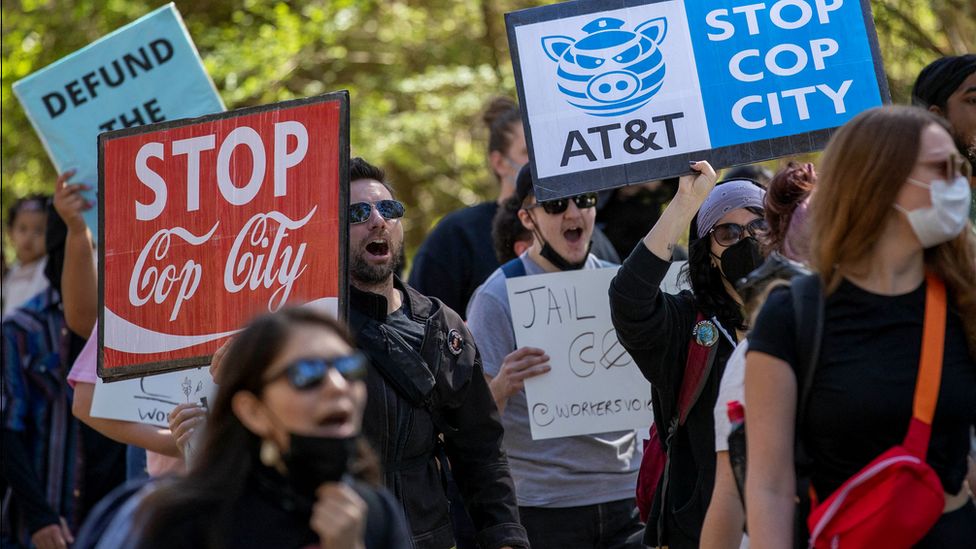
x=967, y=147
x=369, y=274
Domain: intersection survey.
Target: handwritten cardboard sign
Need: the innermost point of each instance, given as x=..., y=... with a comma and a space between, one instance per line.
x=151, y=399
x=207, y=222
x=147, y=71
x=594, y=385
x=615, y=93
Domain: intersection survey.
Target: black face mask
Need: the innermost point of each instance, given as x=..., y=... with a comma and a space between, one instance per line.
x=740, y=259
x=312, y=461
x=559, y=261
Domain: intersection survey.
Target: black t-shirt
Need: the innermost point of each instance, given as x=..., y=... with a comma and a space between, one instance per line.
x=410, y=330
x=861, y=399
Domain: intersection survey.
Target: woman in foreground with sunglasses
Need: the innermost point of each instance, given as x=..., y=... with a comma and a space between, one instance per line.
x=668, y=335
x=282, y=463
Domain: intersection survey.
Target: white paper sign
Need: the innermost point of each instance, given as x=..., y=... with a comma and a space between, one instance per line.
x=151, y=399
x=594, y=385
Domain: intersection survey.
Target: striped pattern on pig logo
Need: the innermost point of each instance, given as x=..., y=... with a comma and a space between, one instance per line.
x=610, y=71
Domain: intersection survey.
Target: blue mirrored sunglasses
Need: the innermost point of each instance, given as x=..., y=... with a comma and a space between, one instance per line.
x=388, y=209
x=308, y=373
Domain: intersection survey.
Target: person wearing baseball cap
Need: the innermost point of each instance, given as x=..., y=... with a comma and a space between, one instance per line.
x=573, y=491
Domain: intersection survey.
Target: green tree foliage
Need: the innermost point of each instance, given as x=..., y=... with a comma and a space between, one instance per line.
x=912, y=34
x=418, y=72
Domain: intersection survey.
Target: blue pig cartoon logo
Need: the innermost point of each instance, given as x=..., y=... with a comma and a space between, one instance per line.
x=610, y=71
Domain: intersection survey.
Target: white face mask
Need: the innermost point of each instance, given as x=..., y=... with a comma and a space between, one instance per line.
x=947, y=216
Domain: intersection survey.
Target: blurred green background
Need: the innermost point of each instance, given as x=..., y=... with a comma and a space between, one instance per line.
x=418, y=71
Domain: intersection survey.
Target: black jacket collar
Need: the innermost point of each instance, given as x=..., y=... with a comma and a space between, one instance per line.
x=375, y=306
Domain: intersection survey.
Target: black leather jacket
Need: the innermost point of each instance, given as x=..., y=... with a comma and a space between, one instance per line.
x=415, y=401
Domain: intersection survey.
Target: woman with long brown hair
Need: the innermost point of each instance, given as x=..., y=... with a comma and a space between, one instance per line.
x=891, y=204
x=282, y=462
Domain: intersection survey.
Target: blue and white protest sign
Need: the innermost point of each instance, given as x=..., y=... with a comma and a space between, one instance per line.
x=147, y=71
x=627, y=91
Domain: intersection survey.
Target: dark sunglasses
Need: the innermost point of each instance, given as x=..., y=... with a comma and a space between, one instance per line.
x=559, y=205
x=308, y=373
x=728, y=234
x=388, y=209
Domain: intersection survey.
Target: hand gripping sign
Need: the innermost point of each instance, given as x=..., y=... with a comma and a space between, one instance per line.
x=617, y=95
x=207, y=222
x=594, y=385
x=147, y=71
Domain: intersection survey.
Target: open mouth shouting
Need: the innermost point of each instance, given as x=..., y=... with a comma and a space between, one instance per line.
x=378, y=249
x=338, y=422
x=573, y=235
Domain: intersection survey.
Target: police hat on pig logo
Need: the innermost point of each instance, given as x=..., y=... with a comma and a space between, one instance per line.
x=610, y=71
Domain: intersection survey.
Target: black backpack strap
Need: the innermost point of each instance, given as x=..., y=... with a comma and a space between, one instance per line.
x=101, y=516
x=808, y=310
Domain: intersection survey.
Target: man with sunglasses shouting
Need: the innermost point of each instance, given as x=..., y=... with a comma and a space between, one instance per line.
x=573, y=491
x=428, y=401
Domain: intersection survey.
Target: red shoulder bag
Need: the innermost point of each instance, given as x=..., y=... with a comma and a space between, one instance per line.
x=896, y=499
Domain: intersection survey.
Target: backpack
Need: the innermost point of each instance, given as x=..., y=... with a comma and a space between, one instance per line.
x=895, y=499
x=808, y=315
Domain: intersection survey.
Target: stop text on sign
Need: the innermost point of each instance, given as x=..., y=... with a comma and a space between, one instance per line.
x=781, y=60
x=239, y=139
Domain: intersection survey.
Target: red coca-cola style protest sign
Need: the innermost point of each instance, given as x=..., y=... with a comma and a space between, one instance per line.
x=207, y=222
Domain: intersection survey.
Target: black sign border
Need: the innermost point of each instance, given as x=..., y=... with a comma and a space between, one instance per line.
x=598, y=179
x=151, y=368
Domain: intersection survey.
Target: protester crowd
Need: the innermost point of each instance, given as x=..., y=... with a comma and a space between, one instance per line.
x=835, y=303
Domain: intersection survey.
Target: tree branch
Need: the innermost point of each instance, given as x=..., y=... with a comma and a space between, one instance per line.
x=922, y=37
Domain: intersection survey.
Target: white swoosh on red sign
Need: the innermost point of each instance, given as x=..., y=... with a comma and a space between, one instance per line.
x=122, y=335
